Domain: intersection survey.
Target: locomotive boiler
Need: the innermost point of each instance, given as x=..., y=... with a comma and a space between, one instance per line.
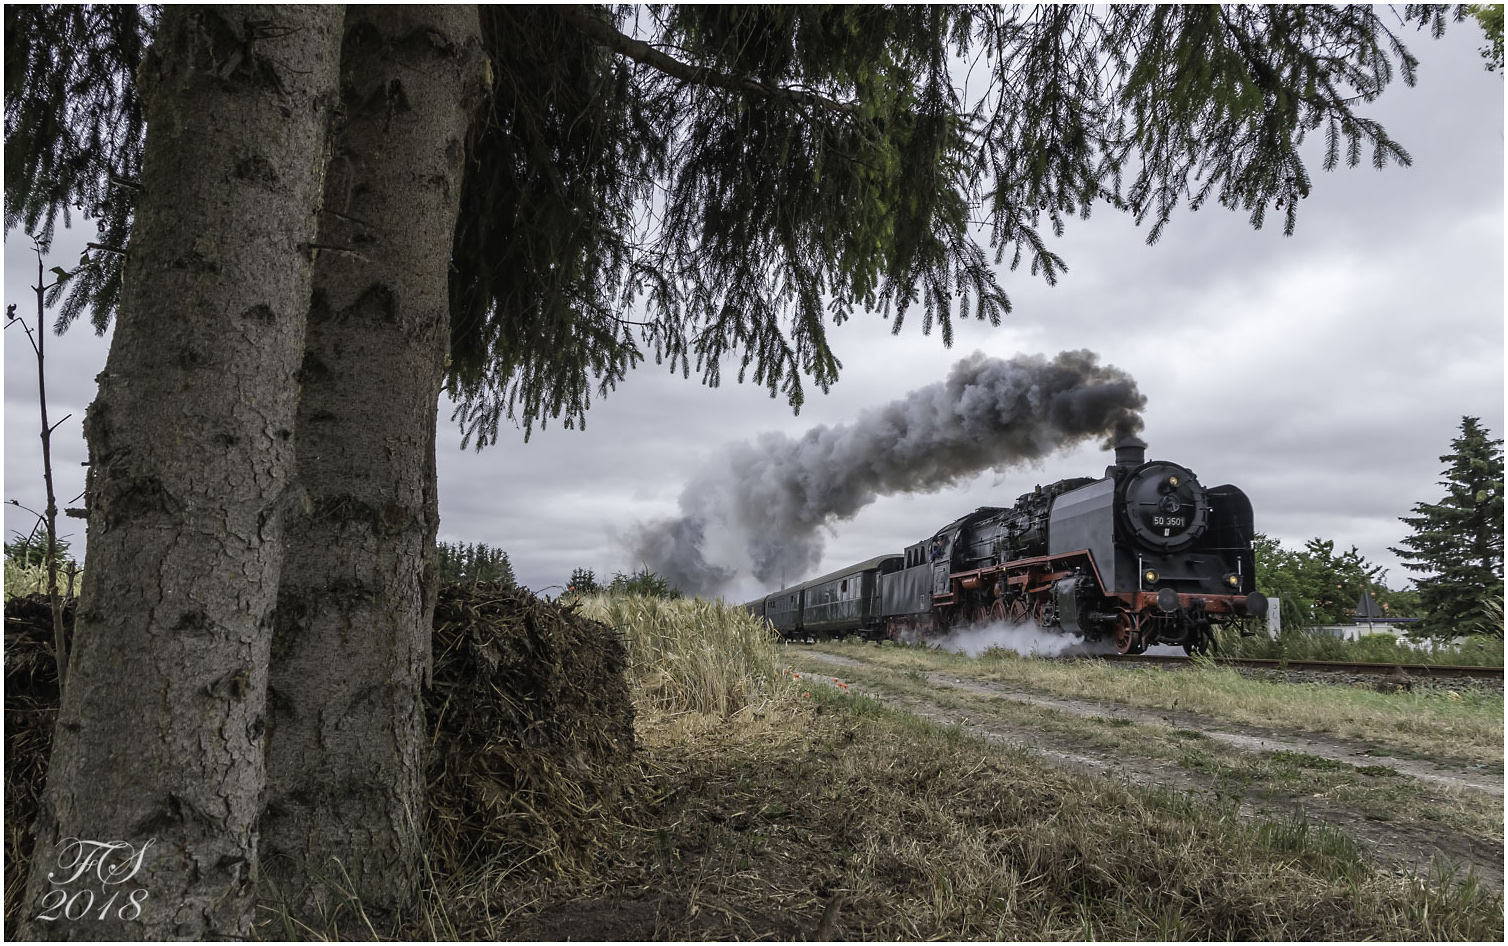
x=1143, y=555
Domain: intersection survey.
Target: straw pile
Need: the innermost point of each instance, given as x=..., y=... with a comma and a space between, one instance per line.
x=529, y=718
x=31, y=709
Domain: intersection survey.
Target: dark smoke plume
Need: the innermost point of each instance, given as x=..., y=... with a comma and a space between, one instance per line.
x=762, y=505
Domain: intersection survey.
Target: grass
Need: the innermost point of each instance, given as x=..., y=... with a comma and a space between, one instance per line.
x=1375, y=791
x=32, y=579
x=755, y=827
x=755, y=807
x=691, y=655
x=758, y=819
x=1464, y=725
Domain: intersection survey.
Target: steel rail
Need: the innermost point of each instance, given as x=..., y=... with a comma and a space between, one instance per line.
x=1330, y=666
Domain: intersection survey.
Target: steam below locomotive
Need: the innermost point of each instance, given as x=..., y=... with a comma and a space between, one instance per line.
x=1142, y=555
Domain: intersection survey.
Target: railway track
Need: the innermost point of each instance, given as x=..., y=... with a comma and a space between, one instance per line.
x=1441, y=671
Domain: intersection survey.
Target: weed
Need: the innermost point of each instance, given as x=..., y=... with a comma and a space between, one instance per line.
x=1199, y=761
x=1333, y=851
x=1306, y=761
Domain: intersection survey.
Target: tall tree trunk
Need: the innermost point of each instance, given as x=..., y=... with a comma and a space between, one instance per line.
x=351, y=649
x=159, y=740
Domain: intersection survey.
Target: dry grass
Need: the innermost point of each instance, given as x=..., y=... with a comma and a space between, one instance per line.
x=531, y=726
x=755, y=826
x=23, y=580
x=531, y=720
x=750, y=810
x=691, y=655
x=32, y=580
x=31, y=710
x=1376, y=792
x=804, y=804
x=1465, y=725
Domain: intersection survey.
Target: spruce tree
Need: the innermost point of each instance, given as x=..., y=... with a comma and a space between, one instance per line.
x=717, y=185
x=30, y=551
x=583, y=581
x=74, y=132
x=158, y=739
x=495, y=567
x=690, y=183
x=352, y=637
x=1457, y=543
x=463, y=562
x=787, y=168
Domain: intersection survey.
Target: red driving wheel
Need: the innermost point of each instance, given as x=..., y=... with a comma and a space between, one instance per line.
x=1128, y=637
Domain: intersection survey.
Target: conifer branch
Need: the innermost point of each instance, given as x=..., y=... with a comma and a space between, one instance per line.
x=605, y=34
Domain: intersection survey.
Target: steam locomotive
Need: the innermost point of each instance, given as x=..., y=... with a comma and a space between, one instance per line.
x=1142, y=555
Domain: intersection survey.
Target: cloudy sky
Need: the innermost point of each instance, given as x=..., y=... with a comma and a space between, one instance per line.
x=1324, y=373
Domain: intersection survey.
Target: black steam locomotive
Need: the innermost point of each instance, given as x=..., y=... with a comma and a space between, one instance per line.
x=1143, y=555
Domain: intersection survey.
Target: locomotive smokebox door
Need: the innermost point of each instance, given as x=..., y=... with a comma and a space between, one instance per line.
x=1165, y=508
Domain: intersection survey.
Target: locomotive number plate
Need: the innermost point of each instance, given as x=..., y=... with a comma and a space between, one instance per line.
x=1171, y=522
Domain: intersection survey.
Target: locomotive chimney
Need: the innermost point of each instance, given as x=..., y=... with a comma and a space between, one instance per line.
x=1130, y=452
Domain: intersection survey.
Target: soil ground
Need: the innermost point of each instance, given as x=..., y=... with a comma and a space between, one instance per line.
x=1413, y=845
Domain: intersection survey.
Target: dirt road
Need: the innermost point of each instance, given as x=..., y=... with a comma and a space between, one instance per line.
x=1355, y=800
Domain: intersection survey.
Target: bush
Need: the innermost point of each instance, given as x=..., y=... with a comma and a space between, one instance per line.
x=1475, y=651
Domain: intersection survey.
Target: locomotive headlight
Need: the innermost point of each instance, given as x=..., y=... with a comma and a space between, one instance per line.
x=1233, y=580
x=1150, y=576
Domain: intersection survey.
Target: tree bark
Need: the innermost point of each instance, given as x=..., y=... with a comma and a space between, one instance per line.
x=351, y=649
x=159, y=739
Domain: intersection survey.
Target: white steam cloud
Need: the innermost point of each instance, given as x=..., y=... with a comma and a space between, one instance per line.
x=1024, y=639
x=761, y=506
